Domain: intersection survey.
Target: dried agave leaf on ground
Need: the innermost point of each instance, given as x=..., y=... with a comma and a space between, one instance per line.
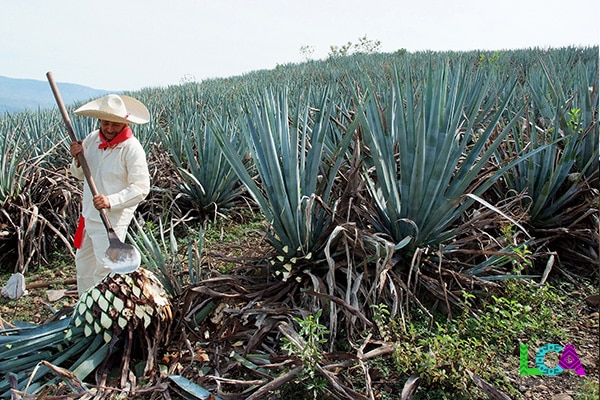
x=246, y=324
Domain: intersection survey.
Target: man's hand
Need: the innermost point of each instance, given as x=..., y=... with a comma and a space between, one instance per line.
x=76, y=148
x=101, y=201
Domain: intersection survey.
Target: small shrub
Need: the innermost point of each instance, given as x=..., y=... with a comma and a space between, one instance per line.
x=309, y=350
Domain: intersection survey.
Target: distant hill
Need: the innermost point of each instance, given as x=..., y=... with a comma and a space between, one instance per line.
x=30, y=94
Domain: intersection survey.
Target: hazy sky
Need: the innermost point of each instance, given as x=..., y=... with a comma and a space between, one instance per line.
x=131, y=44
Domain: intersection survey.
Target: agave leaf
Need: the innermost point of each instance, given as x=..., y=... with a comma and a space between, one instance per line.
x=506, y=256
x=249, y=364
x=56, y=349
x=288, y=148
x=209, y=180
x=420, y=190
x=552, y=178
x=195, y=390
x=153, y=252
x=22, y=331
x=26, y=362
x=91, y=358
x=13, y=169
x=74, y=383
x=34, y=339
x=498, y=211
x=34, y=380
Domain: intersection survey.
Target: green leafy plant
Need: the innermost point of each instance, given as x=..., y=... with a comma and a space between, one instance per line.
x=207, y=180
x=441, y=357
x=295, y=190
x=309, y=349
x=381, y=316
x=427, y=150
x=590, y=390
x=364, y=46
x=558, y=115
x=478, y=341
x=522, y=260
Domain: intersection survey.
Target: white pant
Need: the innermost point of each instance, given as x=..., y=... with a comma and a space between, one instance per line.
x=89, y=259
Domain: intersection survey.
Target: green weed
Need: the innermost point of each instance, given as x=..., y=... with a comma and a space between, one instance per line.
x=480, y=342
x=590, y=390
x=309, y=349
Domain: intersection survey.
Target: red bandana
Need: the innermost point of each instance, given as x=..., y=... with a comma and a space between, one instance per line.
x=122, y=136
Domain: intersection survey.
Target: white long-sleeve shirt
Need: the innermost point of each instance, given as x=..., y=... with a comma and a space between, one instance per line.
x=120, y=173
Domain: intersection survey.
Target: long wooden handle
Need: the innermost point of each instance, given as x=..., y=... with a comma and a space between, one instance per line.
x=80, y=157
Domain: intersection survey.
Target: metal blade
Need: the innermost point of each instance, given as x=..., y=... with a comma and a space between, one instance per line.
x=122, y=258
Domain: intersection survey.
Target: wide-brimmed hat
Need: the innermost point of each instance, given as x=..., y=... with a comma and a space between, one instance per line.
x=116, y=108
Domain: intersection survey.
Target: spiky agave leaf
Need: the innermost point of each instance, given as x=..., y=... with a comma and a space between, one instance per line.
x=208, y=181
x=295, y=189
x=419, y=190
x=556, y=175
x=21, y=349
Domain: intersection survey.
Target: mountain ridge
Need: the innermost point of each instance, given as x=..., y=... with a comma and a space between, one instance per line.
x=17, y=95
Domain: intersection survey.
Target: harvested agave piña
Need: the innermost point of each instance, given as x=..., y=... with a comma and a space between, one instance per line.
x=124, y=319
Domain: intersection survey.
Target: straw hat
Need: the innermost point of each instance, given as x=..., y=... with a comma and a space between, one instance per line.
x=116, y=108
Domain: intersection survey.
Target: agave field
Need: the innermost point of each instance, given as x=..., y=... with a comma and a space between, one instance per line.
x=380, y=189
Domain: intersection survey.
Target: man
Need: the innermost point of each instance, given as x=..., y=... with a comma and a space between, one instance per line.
x=120, y=171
